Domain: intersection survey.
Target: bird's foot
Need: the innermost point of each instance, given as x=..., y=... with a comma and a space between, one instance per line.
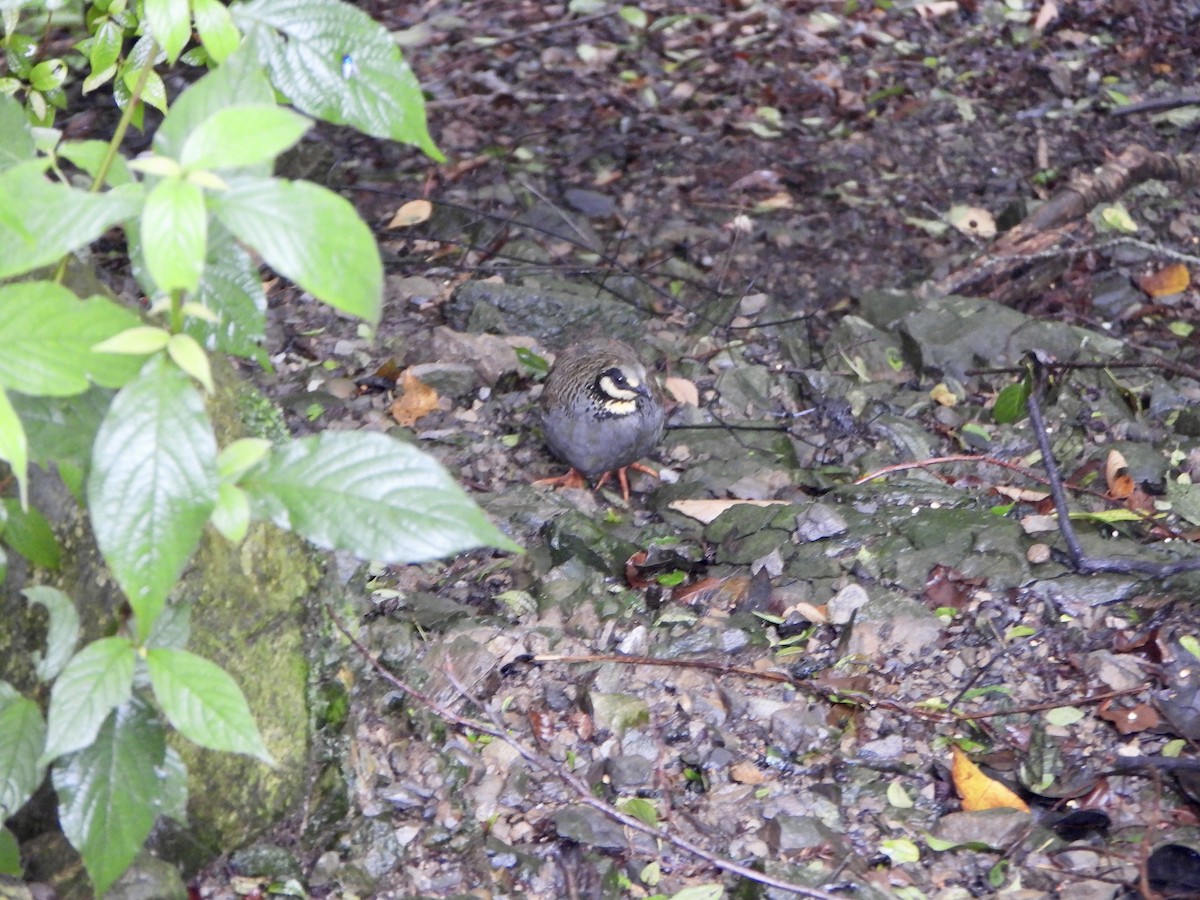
x=623, y=477
x=573, y=479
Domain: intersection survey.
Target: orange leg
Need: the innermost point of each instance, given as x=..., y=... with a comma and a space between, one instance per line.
x=573, y=479
x=623, y=477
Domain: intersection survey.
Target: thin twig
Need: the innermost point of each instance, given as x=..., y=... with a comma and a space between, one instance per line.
x=496, y=730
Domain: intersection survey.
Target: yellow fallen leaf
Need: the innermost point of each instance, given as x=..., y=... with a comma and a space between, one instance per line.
x=943, y=395
x=416, y=399
x=683, y=390
x=1173, y=279
x=978, y=792
x=414, y=212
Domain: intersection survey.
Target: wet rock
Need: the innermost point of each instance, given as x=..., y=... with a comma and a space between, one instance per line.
x=846, y=602
x=556, y=312
x=628, y=772
x=799, y=727
x=576, y=536
x=490, y=356
x=149, y=878
x=997, y=828
x=895, y=627
x=267, y=860
x=589, y=827
x=618, y=712
x=819, y=521
x=790, y=834
x=456, y=380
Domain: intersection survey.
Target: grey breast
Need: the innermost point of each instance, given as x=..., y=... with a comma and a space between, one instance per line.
x=595, y=444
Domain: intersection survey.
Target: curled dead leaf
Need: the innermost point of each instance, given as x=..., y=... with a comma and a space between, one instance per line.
x=416, y=399
x=978, y=791
x=1117, y=477
x=1173, y=279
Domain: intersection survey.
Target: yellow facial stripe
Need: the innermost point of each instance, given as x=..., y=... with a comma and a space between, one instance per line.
x=624, y=395
x=621, y=407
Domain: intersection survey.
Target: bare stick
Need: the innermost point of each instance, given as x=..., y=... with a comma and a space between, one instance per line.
x=496, y=730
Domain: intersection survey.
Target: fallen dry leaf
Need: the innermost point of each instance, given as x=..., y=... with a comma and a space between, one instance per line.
x=682, y=390
x=416, y=399
x=414, y=212
x=1117, y=477
x=1047, y=14
x=1130, y=721
x=978, y=792
x=707, y=510
x=943, y=395
x=972, y=220
x=1170, y=280
x=746, y=773
x=1020, y=494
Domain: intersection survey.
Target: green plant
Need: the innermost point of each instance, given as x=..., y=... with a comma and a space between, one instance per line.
x=117, y=405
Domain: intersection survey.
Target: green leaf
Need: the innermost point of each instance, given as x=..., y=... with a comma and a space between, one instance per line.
x=174, y=234
x=190, y=357
x=231, y=515
x=110, y=794
x=900, y=850
x=96, y=681
x=898, y=797
x=239, y=80
x=240, y=457
x=371, y=494
x=215, y=27
x=1064, y=715
x=242, y=136
x=48, y=336
x=641, y=809
x=153, y=484
x=48, y=75
x=170, y=22
x=634, y=16
x=309, y=235
x=62, y=429
x=173, y=787
x=90, y=155
x=1117, y=218
x=16, y=141
x=1189, y=643
x=141, y=340
x=55, y=219
x=63, y=634
x=106, y=46
x=14, y=445
x=700, y=892
x=336, y=63
x=1010, y=403
x=231, y=288
x=10, y=854
x=203, y=703
x=22, y=734
x=30, y=534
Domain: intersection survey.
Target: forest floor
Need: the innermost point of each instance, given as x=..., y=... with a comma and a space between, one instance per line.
x=764, y=196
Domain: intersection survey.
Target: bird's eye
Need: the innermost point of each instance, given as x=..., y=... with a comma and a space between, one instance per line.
x=617, y=377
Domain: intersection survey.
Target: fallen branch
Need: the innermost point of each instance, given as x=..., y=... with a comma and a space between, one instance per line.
x=1033, y=253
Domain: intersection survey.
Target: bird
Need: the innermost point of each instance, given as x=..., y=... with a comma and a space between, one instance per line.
x=601, y=412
